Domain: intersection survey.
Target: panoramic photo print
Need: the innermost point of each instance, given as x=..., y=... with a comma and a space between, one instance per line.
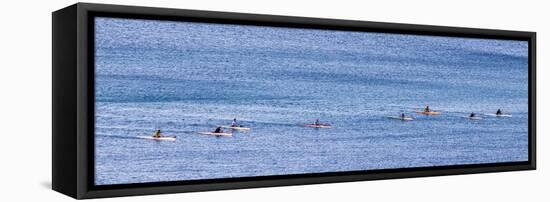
x=180, y=101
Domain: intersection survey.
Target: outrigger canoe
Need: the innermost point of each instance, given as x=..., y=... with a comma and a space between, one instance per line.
x=161, y=138
x=318, y=125
x=236, y=128
x=499, y=115
x=428, y=113
x=401, y=118
x=216, y=134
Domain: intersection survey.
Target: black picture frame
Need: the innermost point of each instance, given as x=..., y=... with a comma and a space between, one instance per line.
x=73, y=100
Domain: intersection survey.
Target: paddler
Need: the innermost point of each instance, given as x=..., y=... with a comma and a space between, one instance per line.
x=218, y=130
x=317, y=122
x=427, y=109
x=499, y=112
x=402, y=115
x=156, y=134
x=234, y=123
x=472, y=115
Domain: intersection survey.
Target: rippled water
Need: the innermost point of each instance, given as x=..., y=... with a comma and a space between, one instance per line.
x=184, y=77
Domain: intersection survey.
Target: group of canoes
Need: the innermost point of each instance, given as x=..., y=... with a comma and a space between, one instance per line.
x=219, y=131
x=428, y=111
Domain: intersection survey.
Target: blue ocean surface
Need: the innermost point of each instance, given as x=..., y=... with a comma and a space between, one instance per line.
x=188, y=77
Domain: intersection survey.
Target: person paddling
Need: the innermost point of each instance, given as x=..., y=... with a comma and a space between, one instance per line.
x=156, y=134
x=472, y=115
x=317, y=123
x=218, y=130
x=234, y=123
x=427, y=109
x=402, y=115
x=499, y=112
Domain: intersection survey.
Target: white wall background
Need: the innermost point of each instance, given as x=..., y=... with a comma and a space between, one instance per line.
x=25, y=104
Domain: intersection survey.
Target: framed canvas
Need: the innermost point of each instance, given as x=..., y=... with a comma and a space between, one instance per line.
x=154, y=100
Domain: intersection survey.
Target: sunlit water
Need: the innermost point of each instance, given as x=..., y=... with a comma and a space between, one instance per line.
x=185, y=78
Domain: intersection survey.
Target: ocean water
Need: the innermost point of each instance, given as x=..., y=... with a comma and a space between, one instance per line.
x=188, y=77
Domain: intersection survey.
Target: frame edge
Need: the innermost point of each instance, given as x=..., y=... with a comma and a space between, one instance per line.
x=64, y=127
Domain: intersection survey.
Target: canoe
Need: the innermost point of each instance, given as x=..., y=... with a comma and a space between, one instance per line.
x=318, y=126
x=473, y=118
x=499, y=115
x=428, y=113
x=235, y=127
x=400, y=118
x=216, y=134
x=162, y=138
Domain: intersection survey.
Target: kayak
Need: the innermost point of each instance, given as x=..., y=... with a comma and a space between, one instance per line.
x=400, y=118
x=235, y=127
x=216, y=134
x=428, y=113
x=499, y=115
x=473, y=118
x=318, y=126
x=162, y=138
